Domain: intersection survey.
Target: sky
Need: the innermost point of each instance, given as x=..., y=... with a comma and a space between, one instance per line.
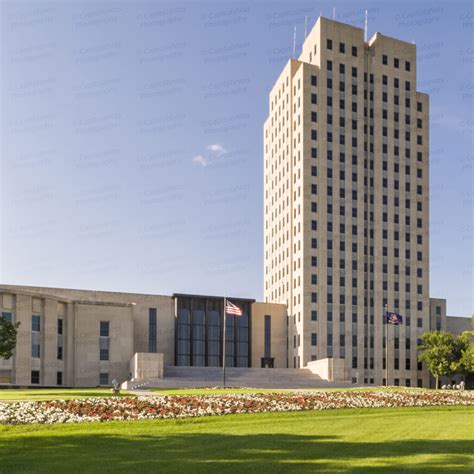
x=132, y=148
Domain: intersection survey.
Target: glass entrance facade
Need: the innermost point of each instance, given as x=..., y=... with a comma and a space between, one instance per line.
x=199, y=332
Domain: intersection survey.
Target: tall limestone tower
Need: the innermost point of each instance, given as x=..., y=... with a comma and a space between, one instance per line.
x=346, y=203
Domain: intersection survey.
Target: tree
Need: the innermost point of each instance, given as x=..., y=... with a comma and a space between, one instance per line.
x=463, y=362
x=8, y=332
x=438, y=353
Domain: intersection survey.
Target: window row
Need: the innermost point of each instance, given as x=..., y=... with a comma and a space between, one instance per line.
x=396, y=63
x=342, y=47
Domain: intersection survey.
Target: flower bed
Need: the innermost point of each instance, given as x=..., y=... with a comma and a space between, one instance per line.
x=158, y=407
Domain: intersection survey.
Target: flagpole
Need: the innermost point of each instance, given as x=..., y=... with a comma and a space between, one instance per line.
x=223, y=345
x=386, y=346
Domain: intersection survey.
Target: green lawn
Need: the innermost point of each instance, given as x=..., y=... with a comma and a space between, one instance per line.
x=214, y=391
x=223, y=391
x=428, y=440
x=39, y=394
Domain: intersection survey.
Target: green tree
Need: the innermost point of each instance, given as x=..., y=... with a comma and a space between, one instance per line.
x=463, y=362
x=8, y=332
x=438, y=348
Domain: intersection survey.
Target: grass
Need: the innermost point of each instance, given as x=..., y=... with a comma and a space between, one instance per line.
x=223, y=391
x=40, y=394
x=425, y=440
x=214, y=391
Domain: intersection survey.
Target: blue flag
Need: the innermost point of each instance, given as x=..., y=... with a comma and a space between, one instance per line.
x=393, y=318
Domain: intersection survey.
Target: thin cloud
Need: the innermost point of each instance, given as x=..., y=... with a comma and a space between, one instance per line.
x=217, y=148
x=202, y=160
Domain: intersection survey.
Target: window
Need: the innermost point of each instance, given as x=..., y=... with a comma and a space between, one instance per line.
x=35, y=377
x=152, y=330
x=354, y=51
x=59, y=352
x=407, y=65
x=314, y=117
x=419, y=107
x=268, y=334
x=104, y=354
x=420, y=322
x=342, y=48
x=7, y=316
x=314, y=99
x=35, y=336
x=384, y=59
x=59, y=378
x=329, y=65
x=104, y=378
x=314, y=81
x=329, y=44
x=36, y=322
x=104, y=329
x=314, y=339
x=396, y=63
x=314, y=315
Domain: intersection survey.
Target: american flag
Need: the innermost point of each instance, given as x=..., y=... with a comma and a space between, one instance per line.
x=233, y=309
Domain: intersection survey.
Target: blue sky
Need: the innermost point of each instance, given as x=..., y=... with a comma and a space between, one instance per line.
x=131, y=139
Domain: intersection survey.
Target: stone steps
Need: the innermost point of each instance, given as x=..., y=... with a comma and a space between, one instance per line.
x=200, y=377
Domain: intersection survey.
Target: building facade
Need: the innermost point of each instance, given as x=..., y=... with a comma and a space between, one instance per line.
x=346, y=202
x=82, y=338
